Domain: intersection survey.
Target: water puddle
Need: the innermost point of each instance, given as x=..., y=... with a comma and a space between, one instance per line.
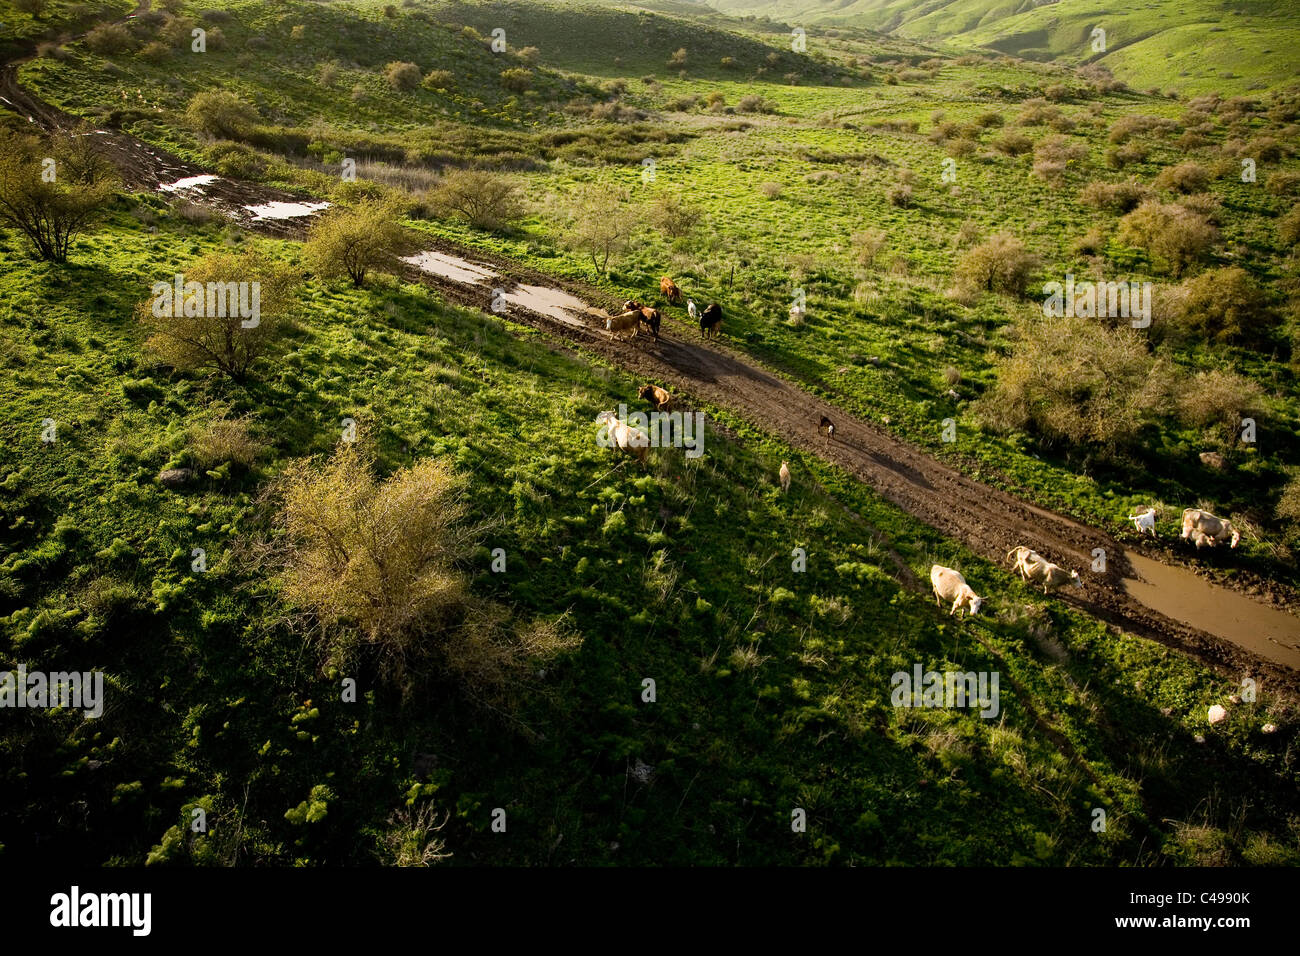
x=551, y=302
x=286, y=210
x=536, y=298
x=191, y=182
x=1179, y=594
x=450, y=267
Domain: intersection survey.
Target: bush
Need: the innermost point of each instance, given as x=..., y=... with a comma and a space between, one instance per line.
x=999, y=264
x=402, y=76
x=867, y=245
x=600, y=225
x=109, y=39
x=1184, y=178
x=51, y=214
x=1174, y=237
x=1288, y=227
x=1126, y=154
x=1070, y=380
x=376, y=563
x=34, y=8
x=224, y=440
x=517, y=79
x=753, y=103
x=675, y=218
x=1012, y=143
x=900, y=195
x=1222, y=305
x=208, y=339
x=352, y=240
x=1116, y=197
x=485, y=200
x=439, y=80
x=770, y=190
x=1217, y=401
x=219, y=113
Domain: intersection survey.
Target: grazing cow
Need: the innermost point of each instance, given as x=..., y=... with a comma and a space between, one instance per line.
x=1051, y=576
x=1023, y=558
x=631, y=305
x=670, y=291
x=826, y=426
x=1220, y=529
x=693, y=312
x=623, y=322
x=1146, y=521
x=711, y=319
x=785, y=477
x=658, y=398
x=632, y=440
x=1201, y=539
x=949, y=585
x=650, y=318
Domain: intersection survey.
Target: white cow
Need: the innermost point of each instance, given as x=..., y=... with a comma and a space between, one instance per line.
x=691, y=310
x=1024, y=557
x=949, y=585
x=1220, y=529
x=1051, y=576
x=1146, y=521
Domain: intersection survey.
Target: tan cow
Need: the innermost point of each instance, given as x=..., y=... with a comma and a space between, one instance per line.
x=622, y=435
x=658, y=398
x=949, y=585
x=670, y=291
x=1220, y=529
x=1023, y=558
x=1051, y=576
x=623, y=322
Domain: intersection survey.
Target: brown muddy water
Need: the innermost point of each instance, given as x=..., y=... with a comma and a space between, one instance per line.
x=1178, y=593
x=536, y=298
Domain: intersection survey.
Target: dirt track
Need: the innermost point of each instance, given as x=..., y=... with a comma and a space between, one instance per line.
x=985, y=519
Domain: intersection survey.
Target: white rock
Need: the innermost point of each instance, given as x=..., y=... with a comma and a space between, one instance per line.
x=1217, y=713
x=1269, y=729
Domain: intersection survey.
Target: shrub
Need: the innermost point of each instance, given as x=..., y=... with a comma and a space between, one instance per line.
x=1288, y=227
x=376, y=563
x=673, y=217
x=1283, y=184
x=48, y=214
x=402, y=76
x=678, y=59
x=1068, y=379
x=1126, y=154
x=223, y=440
x=1116, y=197
x=900, y=195
x=517, y=79
x=1012, y=143
x=352, y=240
x=770, y=190
x=220, y=113
x=439, y=80
x=1174, y=237
x=682, y=104
x=1091, y=243
x=530, y=55
x=109, y=39
x=1184, y=178
x=1223, y=305
x=34, y=8
x=1217, y=401
x=208, y=339
x=155, y=51
x=999, y=264
x=485, y=200
x=600, y=225
x=867, y=245
x=753, y=103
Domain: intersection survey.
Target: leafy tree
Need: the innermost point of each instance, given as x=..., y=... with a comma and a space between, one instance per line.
x=221, y=113
x=485, y=200
x=601, y=225
x=49, y=209
x=353, y=240
x=999, y=264
x=228, y=343
x=1174, y=236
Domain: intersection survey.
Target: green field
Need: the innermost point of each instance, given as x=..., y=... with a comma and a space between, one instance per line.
x=772, y=685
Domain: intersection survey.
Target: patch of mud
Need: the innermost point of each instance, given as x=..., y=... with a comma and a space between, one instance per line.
x=285, y=210
x=189, y=182
x=450, y=267
x=1179, y=594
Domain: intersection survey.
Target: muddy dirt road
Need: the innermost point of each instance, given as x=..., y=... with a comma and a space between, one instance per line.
x=1153, y=599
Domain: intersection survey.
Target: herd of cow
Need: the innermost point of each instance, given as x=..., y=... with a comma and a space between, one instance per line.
x=1199, y=527
x=635, y=316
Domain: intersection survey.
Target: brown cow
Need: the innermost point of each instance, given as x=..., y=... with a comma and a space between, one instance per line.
x=670, y=291
x=827, y=426
x=658, y=398
x=650, y=318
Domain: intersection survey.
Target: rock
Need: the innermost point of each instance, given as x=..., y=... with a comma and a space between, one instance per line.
x=1268, y=729
x=1212, y=459
x=1217, y=713
x=175, y=477
x=1199, y=738
x=1166, y=711
x=874, y=360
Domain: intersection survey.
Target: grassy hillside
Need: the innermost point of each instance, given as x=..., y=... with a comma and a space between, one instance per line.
x=1190, y=47
x=772, y=685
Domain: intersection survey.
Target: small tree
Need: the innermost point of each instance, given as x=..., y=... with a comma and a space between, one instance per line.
x=999, y=264
x=353, y=240
x=1217, y=401
x=1223, y=305
x=1172, y=235
x=402, y=76
x=221, y=113
x=49, y=213
x=204, y=330
x=486, y=200
x=674, y=217
x=601, y=225
x=678, y=59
